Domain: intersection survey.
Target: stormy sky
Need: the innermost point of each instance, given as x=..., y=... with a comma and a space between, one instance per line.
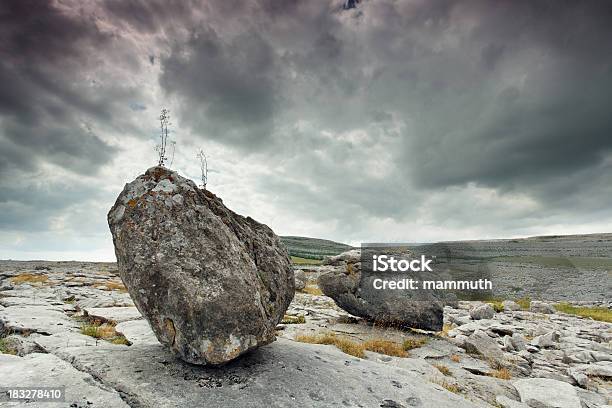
x=395, y=121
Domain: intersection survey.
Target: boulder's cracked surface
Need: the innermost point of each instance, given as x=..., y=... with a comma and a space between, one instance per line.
x=212, y=284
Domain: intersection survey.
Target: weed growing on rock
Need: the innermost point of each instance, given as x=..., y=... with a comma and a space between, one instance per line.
x=443, y=369
x=502, y=373
x=414, y=342
x=293, y=319
x=345, y=345
x=448, y=386
x=455, y=358
x=103, y=331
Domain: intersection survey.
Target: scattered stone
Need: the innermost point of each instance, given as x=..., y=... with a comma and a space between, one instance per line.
x=581, y=379
x=212, y=284
x=480, y=343
x=300, y=279
x=547, y=340
x=541, y=307
x=510, y=306
x=547, y=393
x=518, y=342
x=483, y=311
x=506, y=402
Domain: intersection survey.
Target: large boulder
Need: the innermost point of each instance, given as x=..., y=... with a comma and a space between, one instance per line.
x=212, y=284
x=344, y=284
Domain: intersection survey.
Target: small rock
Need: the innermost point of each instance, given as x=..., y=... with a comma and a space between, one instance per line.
x=484, y=311
x=508, y=346
x=480, y=343
x=510, y=305
x=300, y=279
x=581, y=379
x=506, y=402
x=518, y=342
x=541, y=307
x=548, y=340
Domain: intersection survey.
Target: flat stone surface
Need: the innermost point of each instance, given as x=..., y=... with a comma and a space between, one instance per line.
x=47, y=370
x=34, y=319
x=138, y=332
x=547, y=393
x=114, y=314
x=283, y=374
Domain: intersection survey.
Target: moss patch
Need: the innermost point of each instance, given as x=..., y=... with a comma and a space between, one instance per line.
x=293, y=319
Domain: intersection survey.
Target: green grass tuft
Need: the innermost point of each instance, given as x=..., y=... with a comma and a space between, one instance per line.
x=596, y=313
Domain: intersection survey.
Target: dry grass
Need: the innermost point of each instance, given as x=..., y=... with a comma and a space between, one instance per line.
x=443, y=369
x=345, y=345
x=455, y=358
x=355, y=348
x=497, y=305
x=596, y=313
x=524, y=303
x=293, y=319
x=449, y=386
x=29, y=278
x=387, y=347
x=502, y=374
x=111, y=285
x=414, y=342
x=103, y=331
x=445, y=329
x=312, y=290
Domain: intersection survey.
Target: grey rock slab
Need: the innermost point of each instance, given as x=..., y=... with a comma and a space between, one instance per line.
x=113, y=314
x=550, y=339
x=48, y=370
x=69, y=339
x=510, y=306
x=537, y=306
x=212, y=284
x=137, y=332
x=483, y=311
x=480, y=343
x=506, y=402
x=600, y=369
x=547, y=393
x=282, y=374
x=34, y=319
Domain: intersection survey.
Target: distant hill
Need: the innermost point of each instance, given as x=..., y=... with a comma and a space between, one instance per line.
x=313, y=248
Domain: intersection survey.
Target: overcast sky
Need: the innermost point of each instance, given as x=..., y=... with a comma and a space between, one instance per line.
x=395, y=121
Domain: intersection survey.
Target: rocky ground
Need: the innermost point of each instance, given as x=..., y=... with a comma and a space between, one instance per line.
x=52, y=312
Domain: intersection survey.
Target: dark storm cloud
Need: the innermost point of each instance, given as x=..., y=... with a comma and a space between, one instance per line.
x=482, y=114
x=44, y=101
x=230, y=81
x=507, y=95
